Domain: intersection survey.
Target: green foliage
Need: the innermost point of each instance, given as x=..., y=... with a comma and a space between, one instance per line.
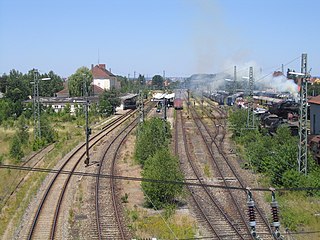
x=108, y=101
x=151, y=151
x=146, y=226
x=23, y=130
x=314, y=89
x=16, y=151
x=157, y=81
x=151, y=134
x=161, y=166
x=238, y=120
x=47, y=132
x=76, y=82
x=275, y=156
x=67, y=109
x=141, y=80
x=5, y=110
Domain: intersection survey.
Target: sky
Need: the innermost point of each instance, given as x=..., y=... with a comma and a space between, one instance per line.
x=180, y=37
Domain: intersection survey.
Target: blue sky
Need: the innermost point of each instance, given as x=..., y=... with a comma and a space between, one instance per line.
x=181, y=37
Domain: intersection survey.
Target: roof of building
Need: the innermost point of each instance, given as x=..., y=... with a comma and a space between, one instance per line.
x=97, y=90
x=315, y=100
x=129, y=96
x=100, y=72
x=163, y=95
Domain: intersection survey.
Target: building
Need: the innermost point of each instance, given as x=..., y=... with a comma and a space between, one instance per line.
x=59, y=103
x=315, y=115
x=104, y=78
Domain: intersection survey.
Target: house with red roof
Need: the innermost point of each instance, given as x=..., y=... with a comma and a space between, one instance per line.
x=104, y=78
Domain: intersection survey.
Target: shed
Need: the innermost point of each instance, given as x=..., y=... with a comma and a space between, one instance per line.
x=315, y=115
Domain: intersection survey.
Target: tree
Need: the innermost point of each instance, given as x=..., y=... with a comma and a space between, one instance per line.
x=157, y=81
x=105, y=107
x=22, y=130
x=164, y=167
x=151, y=134
x=16, y=148
x=107, y=99
x=50, y=87
x=141, y=80
x=76, y=82
x=18, y=87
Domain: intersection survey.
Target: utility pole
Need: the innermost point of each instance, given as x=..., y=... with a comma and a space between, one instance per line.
x=36, y=103
x=234, y=79
x=188, y=103
x=250, y=117
x=164, y=107
x=141, y=107
x=87, y=129
x=303, y=151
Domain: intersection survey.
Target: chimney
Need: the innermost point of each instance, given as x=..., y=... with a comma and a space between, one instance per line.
x=102, y=66
x=91, y=67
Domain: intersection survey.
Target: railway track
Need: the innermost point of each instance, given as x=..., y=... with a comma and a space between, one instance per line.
x=208, y=209
x=227, y=171
x=32, y=161
x=109, y=219
x=46, y=220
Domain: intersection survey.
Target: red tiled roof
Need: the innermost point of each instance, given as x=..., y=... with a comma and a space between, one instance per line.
x=315, y=100
x=97, y=90
x=100, y=72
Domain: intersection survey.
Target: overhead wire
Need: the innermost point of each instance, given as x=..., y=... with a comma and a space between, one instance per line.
x=128, y=178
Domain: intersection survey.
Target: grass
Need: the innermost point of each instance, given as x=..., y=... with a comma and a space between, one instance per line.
x=207, y=171
x=19, y=201
x=175, y=226
x=300, y=213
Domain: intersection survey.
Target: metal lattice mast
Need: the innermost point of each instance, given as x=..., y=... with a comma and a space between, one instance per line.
x=303, y=156
x=234, y=80
x=250, y=117
x=141, y=110
x=36, y=105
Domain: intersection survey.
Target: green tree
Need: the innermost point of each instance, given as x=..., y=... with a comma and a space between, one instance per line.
x=107, y=99
x=76, y=82
x=5, y=110
x=141, y=80
x=67, y=109
x=155, y=134
x=105, y=107
x=163, y=167
x=23, y=133
x=47, y=132
x=157, y=81
x=50, y=87
x=16, y=151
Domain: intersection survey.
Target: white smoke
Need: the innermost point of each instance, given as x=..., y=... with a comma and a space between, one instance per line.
x=279, y=84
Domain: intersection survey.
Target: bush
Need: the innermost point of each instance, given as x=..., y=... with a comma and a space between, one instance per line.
x=164, y=167
x=16, y=148
x=153, y=135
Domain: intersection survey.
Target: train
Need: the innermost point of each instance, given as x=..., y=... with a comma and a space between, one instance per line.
x=130, y=103
x=178, y=104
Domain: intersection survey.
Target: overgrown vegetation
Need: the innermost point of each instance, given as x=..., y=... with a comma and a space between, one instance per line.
x=158, y=163
x=165, y=226
x=276, y=158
